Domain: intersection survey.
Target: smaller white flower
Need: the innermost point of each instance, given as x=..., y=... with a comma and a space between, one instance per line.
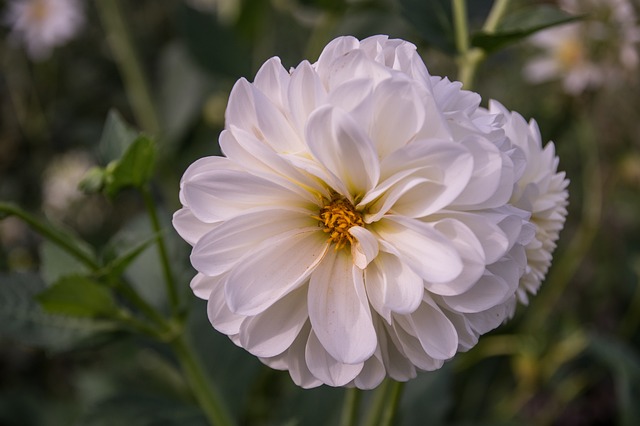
x=591, y=53
x=42, y=25
x=540, y=190
x=60, y=182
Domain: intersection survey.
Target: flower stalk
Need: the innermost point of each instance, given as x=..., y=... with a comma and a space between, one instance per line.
x=349, y=415
x=204, y=391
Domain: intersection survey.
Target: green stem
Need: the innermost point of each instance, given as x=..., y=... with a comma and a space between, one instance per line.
x=63, y=240
x=349, y=416
x=207, y=396
x=126, y=290
x=470, y=58
x=378, y=403
x=162, y=249
x=128, y=63
x=392, y=404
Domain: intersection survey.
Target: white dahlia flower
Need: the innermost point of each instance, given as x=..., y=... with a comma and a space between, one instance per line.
x=360, y=225
x=42, y=25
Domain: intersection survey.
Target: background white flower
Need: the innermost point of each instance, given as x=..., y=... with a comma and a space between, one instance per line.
x=600, y=49
x=42, y=25
x=359, y=226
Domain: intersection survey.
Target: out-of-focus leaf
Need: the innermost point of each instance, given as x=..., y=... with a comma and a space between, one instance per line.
x=134, y=169
x=116, y=137
x=118, y=265
x=56, y=263
x=93, y=180
x=183, y=88
x=22, y=318
x=625, y=366
x=214, y=46
x=142, y=410
x=521, y=24
x=433, y=21
x=78, y=296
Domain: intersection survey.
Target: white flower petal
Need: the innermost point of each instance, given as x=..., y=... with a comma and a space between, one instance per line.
x=326, y=368
x=341, y=146
x=219, y=250
x=218, y=311
x=274, y=268
x=392, y=286
x=423, y=248
x=273, y=331
x=202, y=285
x=366, y=247
x=339, y=311
x=273, y=81
x=189, y=227
x=305, y=95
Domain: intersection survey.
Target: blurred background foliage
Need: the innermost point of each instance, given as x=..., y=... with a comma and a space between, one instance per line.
x=571, y=358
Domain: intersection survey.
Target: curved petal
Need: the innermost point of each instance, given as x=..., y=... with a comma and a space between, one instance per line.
x=326, y=368
x=218, y=311
x=294, y=359
x=429, y=253
x=437, y=335
x=305, y=95
x=274, y=268
x=372, y=374
x=202, y=285
x=344, y=149
x=339, y=310
x=412, y=348
x=392, y=286
x=219, y=250
x=273, y=81
x=489, y=291
x=219, y=194
x=366, y=247
x=189, y=227
x=273, y=331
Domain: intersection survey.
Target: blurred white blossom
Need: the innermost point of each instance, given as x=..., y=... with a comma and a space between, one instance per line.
x=60, y=182
x=361, y=225
x=597, y=50
x=41, y=25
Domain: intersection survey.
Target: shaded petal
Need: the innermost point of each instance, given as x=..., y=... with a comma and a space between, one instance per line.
x=305, y=95
x=218, y=311
x=273, y=80
x=392, y=286
x=189, y=227
x=219, y=194
x=202, y=285
x=489, y=291
x=343, y=148
x=222, y=248
x=339, y=310
x=366, y=247
x=296, y=362
x=326, y=368
x=274, y=268
x=372, y=374
x=273, y=331
x=429, y=253
x=412, y=348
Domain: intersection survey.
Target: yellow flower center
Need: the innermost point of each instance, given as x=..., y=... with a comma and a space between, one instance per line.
x=570, y=54
x=38, y=11
x=337, y=217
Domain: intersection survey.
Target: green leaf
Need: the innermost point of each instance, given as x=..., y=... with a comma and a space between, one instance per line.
x=521, y=24
x=134, y=169
x=433, y=21
x=118, y=265
x=116, y=137
x=78, y=296
x=22, y=318
x=93, y=180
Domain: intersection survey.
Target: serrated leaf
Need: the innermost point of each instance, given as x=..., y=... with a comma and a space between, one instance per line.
x=77, y=296
x=433, y=21
x=521, y=24
x=22, y=318
x=134, y=169
x=116, y=137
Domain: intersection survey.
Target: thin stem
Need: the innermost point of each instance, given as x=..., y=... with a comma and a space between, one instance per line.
x=207, y=396
x=349, y=416
x=136, y=300
x=392, y=404
x=498, y=9
x=162, y=249
x=128, y=63
x=461, y=26
x=378, y=403
x=65, y=241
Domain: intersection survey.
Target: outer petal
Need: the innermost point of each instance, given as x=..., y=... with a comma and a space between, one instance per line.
x=273, y=331
x=342, y=147
x=339, y=310
x=326, y=368
x=274, y=268
x=273, y=80
x=218, y=311
x=219, y=250
x=305, y=95
x=429, y=253
x=189, y=227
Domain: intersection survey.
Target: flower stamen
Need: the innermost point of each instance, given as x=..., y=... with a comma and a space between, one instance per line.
x=337, y=217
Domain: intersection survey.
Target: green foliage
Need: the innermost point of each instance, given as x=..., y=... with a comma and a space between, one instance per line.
x=520, y=24
x=116, y=137
x=76, y=295
x=134, y=169
x=22, y=318
x=433, y=21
